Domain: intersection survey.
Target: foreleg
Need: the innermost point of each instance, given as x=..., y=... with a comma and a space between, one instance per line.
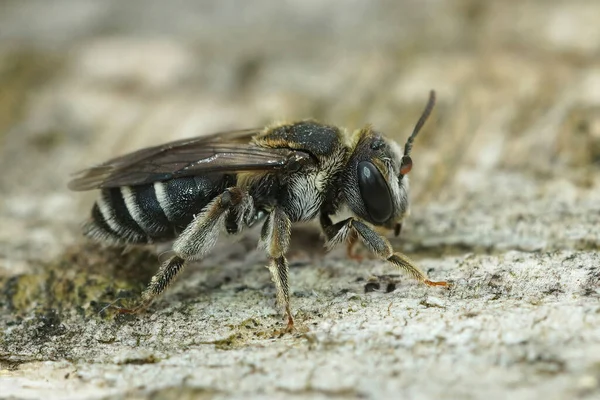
x=344, y=230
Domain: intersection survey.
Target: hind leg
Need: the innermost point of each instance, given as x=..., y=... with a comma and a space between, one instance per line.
x=198, y=238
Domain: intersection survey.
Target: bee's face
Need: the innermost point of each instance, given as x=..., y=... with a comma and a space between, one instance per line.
x=376, y=186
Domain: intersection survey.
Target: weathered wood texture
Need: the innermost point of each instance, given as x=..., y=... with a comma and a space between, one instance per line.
x=506, y=198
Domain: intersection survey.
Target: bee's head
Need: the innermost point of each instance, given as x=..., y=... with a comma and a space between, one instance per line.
x=376, y=187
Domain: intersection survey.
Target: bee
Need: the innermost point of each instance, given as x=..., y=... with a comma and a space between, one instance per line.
x=189, y=191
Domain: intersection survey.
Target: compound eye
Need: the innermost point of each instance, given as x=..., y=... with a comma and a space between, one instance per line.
x=406, y=165
x=375, y=192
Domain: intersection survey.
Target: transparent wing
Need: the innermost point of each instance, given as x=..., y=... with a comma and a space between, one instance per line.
x=222, y=152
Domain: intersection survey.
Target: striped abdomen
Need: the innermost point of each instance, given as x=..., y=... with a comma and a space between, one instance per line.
x=153, y=212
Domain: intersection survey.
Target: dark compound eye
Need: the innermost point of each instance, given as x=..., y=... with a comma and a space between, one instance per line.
x=375, y=192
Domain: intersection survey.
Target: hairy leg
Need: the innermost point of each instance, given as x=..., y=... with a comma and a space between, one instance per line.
x=198, y=238
x=344, y=230
x=275, y=238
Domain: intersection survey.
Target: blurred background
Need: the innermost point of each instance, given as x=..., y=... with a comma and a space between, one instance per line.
x=518, y=85
x=509, y=161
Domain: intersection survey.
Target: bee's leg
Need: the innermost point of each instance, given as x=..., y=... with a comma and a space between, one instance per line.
x=159, y=282
x=339, y=233
x=352, y=240
x=379, y=245
x=275, y=237
x=198, y=238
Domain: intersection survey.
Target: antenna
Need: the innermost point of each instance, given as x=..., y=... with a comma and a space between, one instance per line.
x=420, y=123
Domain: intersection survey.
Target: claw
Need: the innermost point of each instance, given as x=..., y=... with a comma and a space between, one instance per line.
x=123, y=310
x=133, y=310
x=433, y=283
x=290, y=323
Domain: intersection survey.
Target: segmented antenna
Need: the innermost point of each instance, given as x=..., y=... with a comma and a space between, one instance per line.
x=420, y=123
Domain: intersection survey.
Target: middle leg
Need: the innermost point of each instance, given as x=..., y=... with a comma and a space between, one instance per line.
x=275, y=237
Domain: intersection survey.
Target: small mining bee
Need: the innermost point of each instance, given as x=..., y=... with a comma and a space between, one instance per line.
x=192, y=189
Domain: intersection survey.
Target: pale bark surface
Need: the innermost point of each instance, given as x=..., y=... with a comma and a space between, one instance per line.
x=505, y=199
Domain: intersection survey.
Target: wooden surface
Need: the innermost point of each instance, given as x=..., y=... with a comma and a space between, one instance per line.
x=505, y=199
